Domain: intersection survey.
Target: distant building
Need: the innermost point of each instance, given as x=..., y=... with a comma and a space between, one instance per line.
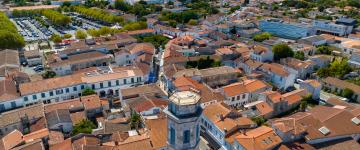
x=183, y=114
x=285, y=30
x=326, y=26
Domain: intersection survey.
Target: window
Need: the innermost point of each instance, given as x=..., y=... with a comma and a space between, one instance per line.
x=26, y=99
x=13, y=104
x=132, y=80
x=197, y=132
x=58, y=92
x=51, y=93
x=34, y=97
x=93, y=86
x=238, y=97
x=74, y=88
x=233, y=99
x=82, y=87
x=67, y=90
x=101, y=85
x=2, y=107
x=172, y=135
x=109, y=83
x=42, y=95
x=124, y=81
x=186, y=136
x=243, y=96
x=117, y=82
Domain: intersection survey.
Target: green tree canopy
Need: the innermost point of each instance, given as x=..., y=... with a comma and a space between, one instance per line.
x=262, y=37
x=337, y=68
x=88, y=91
x=85, y=126
x=10, y=39
x=80, y=34
x=299, y=55
x=347, y=93
x=282, y=51
x=49, y=74
x=56, y=38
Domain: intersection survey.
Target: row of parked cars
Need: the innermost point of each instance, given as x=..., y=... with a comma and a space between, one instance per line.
x=32, y=33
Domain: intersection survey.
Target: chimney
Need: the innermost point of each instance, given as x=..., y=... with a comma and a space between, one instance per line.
x=222, y=117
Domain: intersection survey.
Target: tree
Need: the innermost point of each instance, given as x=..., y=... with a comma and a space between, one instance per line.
x=347, y=93
x=88, y=91
x=337, y=68
x=192, y=22
x=85, y=126
x=299, y=55
x=135, y=120
x=80, y=34
x=259, y=120
x=157, y=40
x=48, y=74
x=93, y=32
x=67, y=36
x=282, y=51
x=121, y=5
x=323, y=50
x=10, y=38
x=56, y=38
x=262, y=37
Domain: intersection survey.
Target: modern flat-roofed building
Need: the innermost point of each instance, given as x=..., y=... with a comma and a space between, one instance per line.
x=285, y=30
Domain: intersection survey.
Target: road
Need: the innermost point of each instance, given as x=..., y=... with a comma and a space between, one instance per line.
x=325, y=96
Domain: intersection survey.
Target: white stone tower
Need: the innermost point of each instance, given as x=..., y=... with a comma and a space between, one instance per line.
x=183, y=113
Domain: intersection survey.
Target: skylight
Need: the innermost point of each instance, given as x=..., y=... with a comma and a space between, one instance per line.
x=356, y=120
x=324, y=130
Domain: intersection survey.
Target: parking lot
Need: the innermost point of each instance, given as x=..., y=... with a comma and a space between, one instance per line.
x=31, y=29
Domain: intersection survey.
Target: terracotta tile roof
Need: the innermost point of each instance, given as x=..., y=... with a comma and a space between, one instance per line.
x=38, y=124
x=246, y=86
x=264, y=108
x=342, y=84
x=77, y=144
x=68, y=104
x=259, y=50
x=274, y=96
x=253, y=64
x=144, y=144
x=75, y=79
x=296, y=63
x=33, y=145
x=144, y=31
x=235, y=89
x=313, y=83
x=217, y=71
x=224, y=51
x=260, y=138
x=146, y=105
x=8, y=90
x=322, y=116
x=64, y=145
x=142, y=47
x=158, y=132
x=11, y=140
x=81, y=58
x=36, y=135
x=294, y=96
x=77, y=117
x=275, y=68
x=214, y=111
x=90, y=101
x=55, y=137
x=14, y=116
